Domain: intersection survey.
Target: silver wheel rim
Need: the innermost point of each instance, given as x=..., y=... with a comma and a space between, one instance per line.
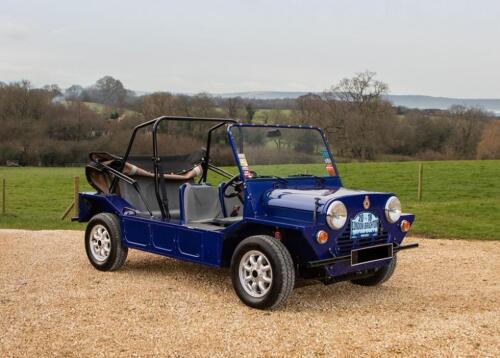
x=100, y=243
x=256, y=273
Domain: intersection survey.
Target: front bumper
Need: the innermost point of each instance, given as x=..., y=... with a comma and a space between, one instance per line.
x=337, y=258
x=348, y=258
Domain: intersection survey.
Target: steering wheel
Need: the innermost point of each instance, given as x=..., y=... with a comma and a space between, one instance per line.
x=235, y=183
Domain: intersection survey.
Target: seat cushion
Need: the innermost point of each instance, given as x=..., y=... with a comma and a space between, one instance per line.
x=201, y=203
x=228, y=220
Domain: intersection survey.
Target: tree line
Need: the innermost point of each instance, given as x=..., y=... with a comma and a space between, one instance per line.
x=50, y=126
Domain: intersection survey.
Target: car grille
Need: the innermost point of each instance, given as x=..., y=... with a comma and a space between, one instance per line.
x=345, y=244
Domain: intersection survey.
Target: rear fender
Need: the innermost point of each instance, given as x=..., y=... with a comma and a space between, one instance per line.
x=91, y=204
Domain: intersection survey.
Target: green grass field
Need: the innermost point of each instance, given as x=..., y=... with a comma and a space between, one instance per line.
x=461, y=199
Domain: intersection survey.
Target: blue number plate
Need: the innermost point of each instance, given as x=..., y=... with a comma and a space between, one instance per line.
x=364, y=224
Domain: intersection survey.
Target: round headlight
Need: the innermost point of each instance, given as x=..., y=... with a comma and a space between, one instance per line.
x=393, y=209
x=336, y=215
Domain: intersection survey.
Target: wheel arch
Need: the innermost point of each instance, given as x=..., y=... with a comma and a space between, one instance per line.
x=290, y=238
x=93, y=204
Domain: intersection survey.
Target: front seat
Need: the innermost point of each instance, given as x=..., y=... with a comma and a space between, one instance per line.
x=202, y=205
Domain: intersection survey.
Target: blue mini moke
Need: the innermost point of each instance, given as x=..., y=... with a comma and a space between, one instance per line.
x=274, y=212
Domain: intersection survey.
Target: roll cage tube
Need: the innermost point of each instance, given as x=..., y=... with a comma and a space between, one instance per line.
x=156, y=159
x=126, y=179
x=207, y=154
x=232, y=142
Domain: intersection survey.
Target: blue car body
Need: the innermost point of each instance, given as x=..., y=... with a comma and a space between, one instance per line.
x=293, y=211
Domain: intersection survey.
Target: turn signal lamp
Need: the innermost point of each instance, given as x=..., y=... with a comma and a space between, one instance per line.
x=405, y=226
x=322, y=237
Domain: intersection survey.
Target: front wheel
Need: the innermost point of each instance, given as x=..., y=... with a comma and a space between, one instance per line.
x=380, y=276
x=262, y=272
x=103, y=242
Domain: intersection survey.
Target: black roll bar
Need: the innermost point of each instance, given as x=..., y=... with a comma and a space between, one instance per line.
x=207, y=154
x=156, y=159
x=220, y=171
x=118, y=175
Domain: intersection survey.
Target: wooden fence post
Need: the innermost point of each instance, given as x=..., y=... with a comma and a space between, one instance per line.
x=76, y=190
x=75, y=202
x=4, y=190
x=420, y=181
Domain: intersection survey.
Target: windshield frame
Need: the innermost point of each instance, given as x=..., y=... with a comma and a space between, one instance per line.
x=234, y=149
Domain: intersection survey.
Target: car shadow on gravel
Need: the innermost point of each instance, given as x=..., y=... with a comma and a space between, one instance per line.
x=308, y=295
x=188, y=273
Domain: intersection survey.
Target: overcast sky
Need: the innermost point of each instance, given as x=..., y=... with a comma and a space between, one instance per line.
x=440, y=48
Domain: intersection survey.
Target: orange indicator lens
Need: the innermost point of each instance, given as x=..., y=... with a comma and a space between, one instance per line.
x=405, y=226
x=322, y=237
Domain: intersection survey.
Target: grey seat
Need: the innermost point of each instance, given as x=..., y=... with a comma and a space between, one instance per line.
x=201, y=203
x=202, y=206
x=147, y=188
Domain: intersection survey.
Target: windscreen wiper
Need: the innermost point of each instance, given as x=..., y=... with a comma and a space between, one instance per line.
x=272, y=177
x=318, y=179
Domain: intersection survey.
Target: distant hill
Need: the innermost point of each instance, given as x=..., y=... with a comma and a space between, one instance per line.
x=410, y=101
x=264, y=94
x=424, y=102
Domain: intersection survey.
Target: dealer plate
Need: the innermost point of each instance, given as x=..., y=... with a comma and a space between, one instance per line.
x=365, y=224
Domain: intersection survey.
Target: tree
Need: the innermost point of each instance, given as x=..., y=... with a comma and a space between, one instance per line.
x=158, y=104
x=110, y=91
x=73, y=92
x=203, y=105
x=468, y=123
x=53, y=89
x=310, y=105
x=233, y=107
x=353, y=112
x=249, y=108
x=489, y=146
x=359, y=110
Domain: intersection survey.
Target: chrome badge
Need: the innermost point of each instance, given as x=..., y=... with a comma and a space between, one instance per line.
x=366, y=202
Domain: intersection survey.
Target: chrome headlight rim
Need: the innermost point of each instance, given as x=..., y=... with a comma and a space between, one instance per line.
x=336, y=215
x=393, y=209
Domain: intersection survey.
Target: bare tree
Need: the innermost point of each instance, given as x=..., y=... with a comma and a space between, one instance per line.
x=203, y=105
x=357, y=110
x=234, y=106
x=73, y=92
x=111, y=91
x=489, y=146
x=468, y=123
x=54, y=90
x=158, y=104
x=250, y=112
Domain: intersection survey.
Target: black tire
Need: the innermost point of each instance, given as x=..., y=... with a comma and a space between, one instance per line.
x=282, y=271
x=117, y=253
x=380, y=276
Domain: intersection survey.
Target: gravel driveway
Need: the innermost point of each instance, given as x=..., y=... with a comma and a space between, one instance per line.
x=444, y=299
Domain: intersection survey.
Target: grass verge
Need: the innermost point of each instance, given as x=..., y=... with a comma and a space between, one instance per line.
x=461, y=199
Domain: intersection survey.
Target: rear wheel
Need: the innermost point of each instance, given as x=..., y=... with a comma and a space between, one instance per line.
x=262, y=272
x=379, y=276
x=103, y=242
